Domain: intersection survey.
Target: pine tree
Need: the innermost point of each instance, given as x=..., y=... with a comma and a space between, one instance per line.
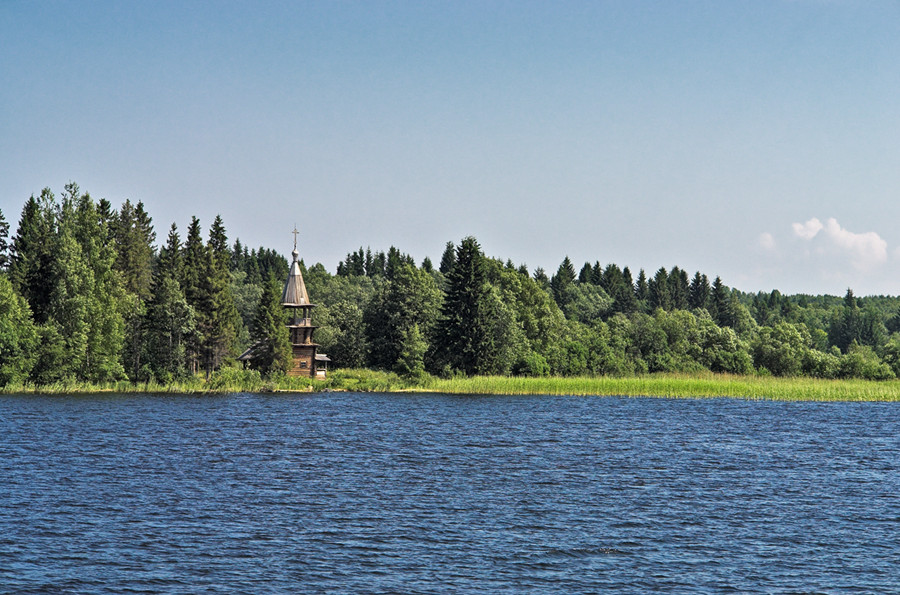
x=720, y=304
x=586, y=273
x=562, y=280
x=642, y=288
x=540, y=277
x=34, y=251
x=448, y=259
x=217, y=317
x=168, y=325
x=236, y=260
x=658, y=286
x=698, y=292
x=170, y=256
x=678, y=288
x=627, y=300
x=132, y=232
x=218, y=244
x=193, y=263
x=4, y=242
x=273, y=353
x=459, y=333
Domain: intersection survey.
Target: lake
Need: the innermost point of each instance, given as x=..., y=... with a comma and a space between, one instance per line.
x=399, y=493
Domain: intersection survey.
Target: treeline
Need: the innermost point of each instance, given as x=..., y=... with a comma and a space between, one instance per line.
x=480, y=315
x=86, y=295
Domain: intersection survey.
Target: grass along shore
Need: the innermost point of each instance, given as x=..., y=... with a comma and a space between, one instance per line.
x=705, y=385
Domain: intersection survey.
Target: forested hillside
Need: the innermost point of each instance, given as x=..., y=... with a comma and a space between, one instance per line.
x=86, y=294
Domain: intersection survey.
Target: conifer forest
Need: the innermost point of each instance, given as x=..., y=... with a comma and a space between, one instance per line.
x=90, y=292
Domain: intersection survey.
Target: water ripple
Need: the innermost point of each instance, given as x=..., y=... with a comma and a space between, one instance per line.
x=352, y=493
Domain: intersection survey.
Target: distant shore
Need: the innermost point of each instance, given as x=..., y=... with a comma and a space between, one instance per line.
x=706, y=385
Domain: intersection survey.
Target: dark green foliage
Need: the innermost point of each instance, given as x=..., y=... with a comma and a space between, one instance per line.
x=4, y=242
x=658, y=291
x=168, y=326
x=342, y=334
x=218, y=244
x=86, y=298
x=132, y=230
x=411, y=298
x=461, y=337
x=678, y=289
x=193, y=262
x=448, y=258
x=560, y=282
x=18, y=335
x=720, y=307
x=170, y=256
x=411, y=359
x=642, y=290
x=586, y=273
x=217, y=317
x=698, y=291
x=541, y=278
x=272, y=351
x=34, y=250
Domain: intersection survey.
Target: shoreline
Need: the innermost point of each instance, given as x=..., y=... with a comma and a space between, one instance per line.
x=702, y=385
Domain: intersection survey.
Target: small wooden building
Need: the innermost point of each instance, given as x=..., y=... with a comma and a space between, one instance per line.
x=306, y=362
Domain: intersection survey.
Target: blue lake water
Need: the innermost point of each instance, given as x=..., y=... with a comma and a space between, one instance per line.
x=369, y=493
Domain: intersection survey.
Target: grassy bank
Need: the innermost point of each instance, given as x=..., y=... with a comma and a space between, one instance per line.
x=680, y=386
x=656, y=385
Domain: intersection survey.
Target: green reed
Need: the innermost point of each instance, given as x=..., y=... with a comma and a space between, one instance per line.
x=679, y=386
x=708, y=385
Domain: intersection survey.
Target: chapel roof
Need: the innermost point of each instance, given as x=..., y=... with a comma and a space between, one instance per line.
x=294, y=293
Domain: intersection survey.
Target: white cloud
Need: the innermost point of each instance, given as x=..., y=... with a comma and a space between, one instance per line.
x=767, y=241
x=808, y=230
x=868, y=248
x=865, y=250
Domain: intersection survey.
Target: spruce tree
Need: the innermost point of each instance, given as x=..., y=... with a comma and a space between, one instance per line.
x=170, y=256
x=168, y=326
x=448, y=259
x=460, y=336
x=642, y=288
x=4, y=242
x=698, y=292
x=132, y=232
x=272, y=354
x=540, y=277
x=586, y=273
x=193, y=262
x=720, y=304
x=678, y=288
x=561, y=281
x=217, y=316
x=660, y=297
x=627, y=300
x=34, y=252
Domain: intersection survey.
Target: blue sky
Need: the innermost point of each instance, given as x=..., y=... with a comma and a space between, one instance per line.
x=759, y=141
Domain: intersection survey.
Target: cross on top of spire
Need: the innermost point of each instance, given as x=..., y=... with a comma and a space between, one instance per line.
x=295, y=232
